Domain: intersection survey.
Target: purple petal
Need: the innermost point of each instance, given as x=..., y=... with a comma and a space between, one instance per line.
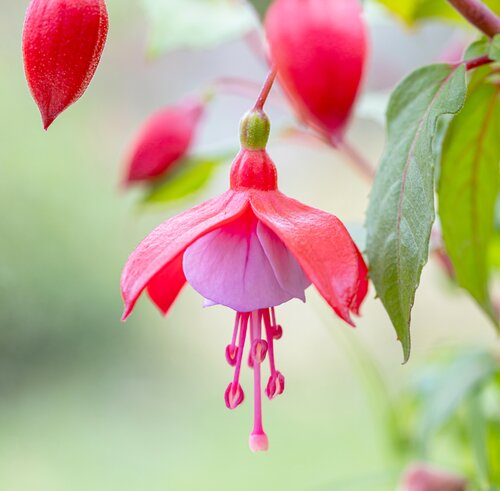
x=244, y=266
x=286, y=269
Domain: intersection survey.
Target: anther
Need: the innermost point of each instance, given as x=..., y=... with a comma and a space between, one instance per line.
x=231, y=354
x=275, y=385
x=277, y=332
x=259, y=350
x=233, y=396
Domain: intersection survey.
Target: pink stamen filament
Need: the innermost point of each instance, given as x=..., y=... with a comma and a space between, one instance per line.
x=235, y=331
x=241, y=345
x=232, y=349
x=270, y=338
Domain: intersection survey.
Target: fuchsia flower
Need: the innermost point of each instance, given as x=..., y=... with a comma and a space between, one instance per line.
x=163, y=141
x=319, y=48
x=62, y=44
x=251, y=249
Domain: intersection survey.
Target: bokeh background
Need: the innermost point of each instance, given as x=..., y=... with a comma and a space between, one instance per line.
x=89, y=403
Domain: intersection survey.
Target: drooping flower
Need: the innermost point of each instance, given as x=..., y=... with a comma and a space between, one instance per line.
x=62, y=44
x=319, y=49
x=163, y=141
x=251, y=249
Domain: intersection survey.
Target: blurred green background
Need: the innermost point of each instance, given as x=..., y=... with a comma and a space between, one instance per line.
x=87, y=402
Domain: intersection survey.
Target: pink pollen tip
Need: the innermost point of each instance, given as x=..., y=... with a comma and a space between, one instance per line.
x=258, y=442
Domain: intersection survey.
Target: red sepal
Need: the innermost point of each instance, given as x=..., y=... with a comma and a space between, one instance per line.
x=157, y=261
x=62, y=44
x=322, y=246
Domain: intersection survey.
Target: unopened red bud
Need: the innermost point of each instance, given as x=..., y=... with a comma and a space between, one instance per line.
x=163, y=141
x=425, y=478
x=62, y=44
x=233, y=396
x=318, y=48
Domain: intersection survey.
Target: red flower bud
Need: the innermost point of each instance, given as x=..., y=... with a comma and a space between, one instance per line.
x=425, y=478
x=319, y=48
x=62, y=45
x=163, y=140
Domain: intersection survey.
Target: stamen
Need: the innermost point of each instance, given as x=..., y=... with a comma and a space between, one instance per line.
x=243, y=335
x=276, y=383
x=270, y=338
x=259, y=350
x=277, y=329
x=234, y=394
x=258, y=439
x=232, y=349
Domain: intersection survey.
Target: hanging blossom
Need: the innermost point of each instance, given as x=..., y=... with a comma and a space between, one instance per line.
x=251, y=249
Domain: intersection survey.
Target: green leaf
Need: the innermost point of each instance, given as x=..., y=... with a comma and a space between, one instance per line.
x=413, y=11
x=477, y=427
x=261, y=6
x=190, y=176
x=494, y=52
x=448, y=386
x=401, y=210
x=478, y=48
x=468, y=190
x=494, y=255
x=177, y=24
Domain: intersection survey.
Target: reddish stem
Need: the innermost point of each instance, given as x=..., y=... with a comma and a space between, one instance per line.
x=357, y=160
x=266, y=88
x=477, y=62
x=246, y=88
x=479, y=15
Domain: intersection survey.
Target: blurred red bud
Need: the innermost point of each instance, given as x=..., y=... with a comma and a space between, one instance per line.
x=319, y=48
x=425, y=478
x=163, y=140
x=62, y=45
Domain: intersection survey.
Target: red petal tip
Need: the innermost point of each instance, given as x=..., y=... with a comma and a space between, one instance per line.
x=47, y=121
x=126, y=313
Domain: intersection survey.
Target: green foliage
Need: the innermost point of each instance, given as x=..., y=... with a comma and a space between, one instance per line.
x=494, y=51
x=494, y=255
x=414, y=11
x=478, y=48
x=195, y=24
x=455, y=400
x=468, y=189
x=484, y=47
x=190, y=176
x=261, y=6
x=443, y=390
x=401, y=210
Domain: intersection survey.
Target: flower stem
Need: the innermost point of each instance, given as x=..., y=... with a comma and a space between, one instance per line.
x=266, y=88
x=479, y=15
x=357, y=160
x=477, y=62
